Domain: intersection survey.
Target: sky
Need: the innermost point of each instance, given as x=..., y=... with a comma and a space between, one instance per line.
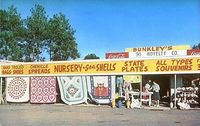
x=113, y=25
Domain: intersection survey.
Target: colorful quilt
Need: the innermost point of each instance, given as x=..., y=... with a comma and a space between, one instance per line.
x=17, y=89
x=43, y=89
x=101, y=88
x=73, y=89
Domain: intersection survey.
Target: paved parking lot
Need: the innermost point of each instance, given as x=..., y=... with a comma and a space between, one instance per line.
x=64, y=115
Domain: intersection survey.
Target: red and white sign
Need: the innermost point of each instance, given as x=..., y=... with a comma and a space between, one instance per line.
x=118, y=55
x=193, y=52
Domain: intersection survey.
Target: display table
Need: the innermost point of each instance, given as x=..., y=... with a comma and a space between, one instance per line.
x=148, y=94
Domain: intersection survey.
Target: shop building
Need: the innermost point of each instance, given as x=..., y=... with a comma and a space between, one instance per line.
x=182, y=82
x=100, y=80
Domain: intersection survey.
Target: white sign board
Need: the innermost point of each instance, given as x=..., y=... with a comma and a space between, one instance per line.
x=150, y=54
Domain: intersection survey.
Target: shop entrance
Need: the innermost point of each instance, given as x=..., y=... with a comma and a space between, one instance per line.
x=164, y=83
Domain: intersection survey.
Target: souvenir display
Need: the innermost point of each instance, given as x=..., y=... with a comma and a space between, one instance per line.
x=43, y=89
x=187, y=96
x=73, y=89
x=17, y=89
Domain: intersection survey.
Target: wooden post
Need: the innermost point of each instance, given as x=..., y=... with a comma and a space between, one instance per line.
x=141, y=91
x=175, y=91
x=1, y=95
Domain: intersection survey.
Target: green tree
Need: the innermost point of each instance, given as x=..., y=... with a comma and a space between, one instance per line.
x=11, y=34
x=91, y=56
x=196, y=46
x=61, y=44
x=35, y=34
x=27, y=40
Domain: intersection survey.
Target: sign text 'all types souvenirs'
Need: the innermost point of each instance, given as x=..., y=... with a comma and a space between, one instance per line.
x=104, y=67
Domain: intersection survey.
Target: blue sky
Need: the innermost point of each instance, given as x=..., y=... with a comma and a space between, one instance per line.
x=113, y=25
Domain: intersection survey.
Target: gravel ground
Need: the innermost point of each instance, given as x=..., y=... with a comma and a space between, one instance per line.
x=64, y=115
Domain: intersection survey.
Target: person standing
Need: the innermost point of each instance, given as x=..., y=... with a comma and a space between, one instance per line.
x=127, y=89
x=148, y=86
x=156, y=93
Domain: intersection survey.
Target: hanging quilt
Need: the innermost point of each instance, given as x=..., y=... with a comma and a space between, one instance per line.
x=101, y=88
x=17, y=89
x=73, y=89
x=43, y=89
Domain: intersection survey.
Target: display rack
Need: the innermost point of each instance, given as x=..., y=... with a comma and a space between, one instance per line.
x=187, y=95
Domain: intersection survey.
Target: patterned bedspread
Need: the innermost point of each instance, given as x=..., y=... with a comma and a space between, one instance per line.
x=43, y=89
x=17, y=89
x=101, y=88
x=73, y=89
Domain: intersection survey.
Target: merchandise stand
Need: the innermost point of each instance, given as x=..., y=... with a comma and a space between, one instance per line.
x=173, y=66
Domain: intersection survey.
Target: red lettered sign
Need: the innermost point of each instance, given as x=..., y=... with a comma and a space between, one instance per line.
x=118, y=55
x=193, y=52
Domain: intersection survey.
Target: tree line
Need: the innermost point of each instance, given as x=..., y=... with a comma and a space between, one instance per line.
x=27, y=39
x=38, y=37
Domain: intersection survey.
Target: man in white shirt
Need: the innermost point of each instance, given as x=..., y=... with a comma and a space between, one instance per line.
x=156, y=94
x=148, y=86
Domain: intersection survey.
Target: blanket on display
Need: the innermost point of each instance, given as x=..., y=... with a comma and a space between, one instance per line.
x=101, y=88
x=43, y=89
x=73, y=89
x=17, y=89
